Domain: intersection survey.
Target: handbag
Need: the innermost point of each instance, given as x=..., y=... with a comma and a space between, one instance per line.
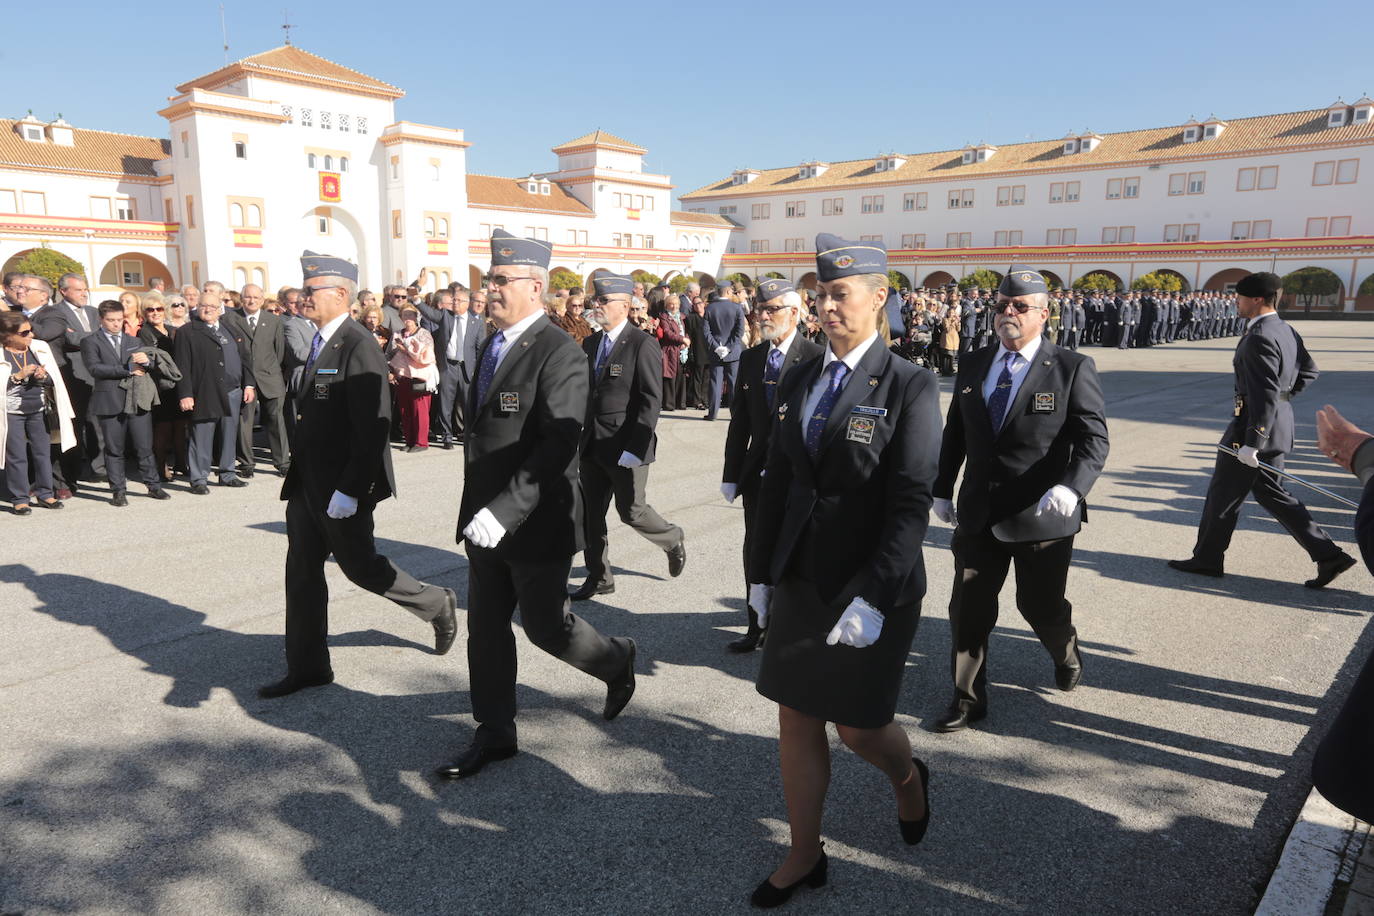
x=419, y=385
x=51, y=420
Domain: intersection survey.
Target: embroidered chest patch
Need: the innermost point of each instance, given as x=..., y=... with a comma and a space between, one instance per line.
x=510, y=402
x=1043, y=402
x=860, y=429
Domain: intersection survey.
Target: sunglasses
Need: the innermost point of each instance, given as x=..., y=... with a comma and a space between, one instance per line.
x=1020, y=307
x=24, y=332
x=501, y=280
x=156, y=308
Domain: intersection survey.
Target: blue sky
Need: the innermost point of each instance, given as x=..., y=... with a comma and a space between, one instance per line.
x=711, y=86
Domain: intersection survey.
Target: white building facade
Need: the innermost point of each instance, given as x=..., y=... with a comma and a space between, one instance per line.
x=286, y=151
x=1208, y=200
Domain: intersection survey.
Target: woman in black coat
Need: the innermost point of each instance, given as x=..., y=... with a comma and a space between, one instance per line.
x=836, y=554
x=169, y=424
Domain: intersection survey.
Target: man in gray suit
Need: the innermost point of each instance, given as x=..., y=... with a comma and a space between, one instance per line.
x=459, y=333
x=64, y=324
x=298, y=330
x=267, y=349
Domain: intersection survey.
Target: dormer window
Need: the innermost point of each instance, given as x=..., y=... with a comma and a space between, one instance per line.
x=544, y=188
x=532, y=187
x=812, y=169
x=888, y=162
x=1212, y=128
x=1210, y=132
x=33, y=132
x=1088, y=142
x=1190, y=135
x=1335, y=118
x=1070, y=145
x=743, y=176
x=968, y=156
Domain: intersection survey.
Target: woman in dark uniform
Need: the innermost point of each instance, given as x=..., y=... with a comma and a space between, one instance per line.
x=842, y=513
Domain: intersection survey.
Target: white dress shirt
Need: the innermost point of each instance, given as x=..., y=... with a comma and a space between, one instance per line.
x=851, y=359
x=513, y=333
x=1018, y=369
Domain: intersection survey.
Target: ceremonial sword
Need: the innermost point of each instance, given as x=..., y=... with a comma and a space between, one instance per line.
x=1295, y=478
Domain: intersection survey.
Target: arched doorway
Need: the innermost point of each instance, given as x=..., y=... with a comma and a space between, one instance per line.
x=1364, y=295
x=134, y=271
x=1310, y=289
x=474, y=277
x=1225, y=280
x=707, y=281
x=1186, y=286
x=937, y=279
x=1100, y=279
x=18, y=256
x=1052, y=279
x=333, y=230
x=901, y=280
x=808, y=280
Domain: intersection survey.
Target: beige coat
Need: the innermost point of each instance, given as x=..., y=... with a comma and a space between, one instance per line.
x=66, y=431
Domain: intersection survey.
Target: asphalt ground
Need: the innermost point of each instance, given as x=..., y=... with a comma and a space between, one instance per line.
x=139, y=772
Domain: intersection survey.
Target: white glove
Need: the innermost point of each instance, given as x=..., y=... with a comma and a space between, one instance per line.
x=722, y=351
x=729, y=491
x=628, y=461
x=1058, y=500
x=859, y=625
x=1248, y=456
x=484, y=530
x=342, y=506
x=760, y=597
x=944, y=511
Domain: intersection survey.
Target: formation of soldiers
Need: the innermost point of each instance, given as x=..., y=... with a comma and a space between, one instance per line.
x=1142, y=318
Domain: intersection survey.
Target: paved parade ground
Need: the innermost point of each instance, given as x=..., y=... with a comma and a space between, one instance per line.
x=142, y=774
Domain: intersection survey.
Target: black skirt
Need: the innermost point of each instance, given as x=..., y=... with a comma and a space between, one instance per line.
x=840, y=684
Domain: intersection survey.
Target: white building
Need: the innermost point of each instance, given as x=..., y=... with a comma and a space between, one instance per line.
x=285, y=151
x=1208, y=200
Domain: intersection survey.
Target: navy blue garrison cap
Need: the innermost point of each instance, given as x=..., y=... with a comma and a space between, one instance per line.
x=611, y=284
x=326, y=265
x=837, y=258
x=773, y=287
x=1022, y=281
x=513, y=250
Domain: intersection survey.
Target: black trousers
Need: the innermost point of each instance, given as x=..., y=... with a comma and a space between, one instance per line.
x=674, y=391
x=699, y=384
x=495, y=586
x=70, y=466
x=453, y=394
x=27, y=434
x=980, y=568
x=1231, y=483
x=311, y=538
x=601, y=481
x=120, y=428
x=273, y=414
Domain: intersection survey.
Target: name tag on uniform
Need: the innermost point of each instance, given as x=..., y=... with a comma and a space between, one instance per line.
x=860, y=429
x=510, y=402
x=1240, y=405
x=614, y=370
x=321, y=392
x=326, y=371
x=871, y=411
x=782, y=412
x=1043, y=402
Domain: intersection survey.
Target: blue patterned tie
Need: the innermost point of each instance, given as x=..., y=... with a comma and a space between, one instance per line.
x=770, y=375
x=603, y=351
x=997, y=404
x=816, y=425
x=316, y=346
x=489, y=360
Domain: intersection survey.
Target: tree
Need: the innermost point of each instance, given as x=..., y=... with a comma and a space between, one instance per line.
x=1096, y=281
x=643, y=276
x=898, y=280
x=982, y=278
x=741, y=279
x=679, y=283
x=1367, y=287
x=774, y=275
x=1167, y=281
x=48, y=264
x=566, y=279
x=1310, y=284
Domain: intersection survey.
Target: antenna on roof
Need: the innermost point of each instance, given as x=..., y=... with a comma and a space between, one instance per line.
x=287, y=26
x=224, y=31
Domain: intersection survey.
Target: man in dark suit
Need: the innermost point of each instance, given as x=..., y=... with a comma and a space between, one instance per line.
x=519, y=512
x=64, y=324
x=340, y=470
x=1026, y=423
x=723, y=328
x=456, y=341
x=969, y=313
x=1271, y=367
x=266, y=338
x=625, y=373
x=216, y=380
x=111, y=356
x=762, y=369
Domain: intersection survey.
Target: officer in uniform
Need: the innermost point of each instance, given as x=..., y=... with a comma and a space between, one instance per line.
x=519, y=513
x=340, y=469
x=762, y=369
x=1026, y=423
x=1271, y=366
x=625, y=373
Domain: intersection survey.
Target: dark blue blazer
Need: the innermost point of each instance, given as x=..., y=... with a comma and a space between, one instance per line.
x=724, y=326
x=108, y=369
x=1271, y=365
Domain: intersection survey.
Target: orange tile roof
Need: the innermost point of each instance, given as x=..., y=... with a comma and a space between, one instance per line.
x=95, y=151
x=1266, y=133
x=600, y=138
x=291, y=62
x=704, y=219
x=510, y=193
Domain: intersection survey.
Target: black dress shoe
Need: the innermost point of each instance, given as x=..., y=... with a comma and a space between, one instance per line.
x=1191, y=565
x=750, y=641
x=619, y=691
x=960, y=716
x=200, y=489
x=473, y=760
x=119, y=499
x=677, y=558
x=1066, y=677
x=446, y=624
x=590, y=588
x=245, y=473
x=233, y=482
x=768, y=895
x=914, y=831
x=1330, y=569
x=446, y=443
x=159, y=493
x=291, y=683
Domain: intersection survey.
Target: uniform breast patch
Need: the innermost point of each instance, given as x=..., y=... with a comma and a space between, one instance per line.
x=1043, y=402
x=510, y=401
x=860, y=429
x=614, y=370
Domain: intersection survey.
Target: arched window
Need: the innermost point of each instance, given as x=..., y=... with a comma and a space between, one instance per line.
x=706, y=243
x=343, y=163
x=236, y=214
x=683, y=243
x=255, y=216
x=696, y=243
x=310, y=160
x=443, y=228
x=445, y=277
x=240, y=278
x=259, y=278
x=328, y=163
x=429, y=227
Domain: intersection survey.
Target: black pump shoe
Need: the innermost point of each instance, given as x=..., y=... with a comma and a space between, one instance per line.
x=768, y=895
x=914, y=831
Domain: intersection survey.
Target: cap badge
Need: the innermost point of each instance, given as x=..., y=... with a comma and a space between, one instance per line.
x=506, y=252
x=844, y=261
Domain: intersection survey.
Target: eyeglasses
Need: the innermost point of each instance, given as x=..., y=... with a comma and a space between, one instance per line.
x=393, y=295
x=312, y=290
x=771, y=309
x=502, y=279
x=155, y=308
x=606, y=300
x=1020, y=307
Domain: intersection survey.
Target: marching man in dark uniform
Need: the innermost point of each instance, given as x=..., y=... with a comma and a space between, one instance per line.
x=762, y=369
x=625, y=370
x=836, y=557
x=1271, y=366
x=519, y=514
x=1026, y=423
x=340, y=469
